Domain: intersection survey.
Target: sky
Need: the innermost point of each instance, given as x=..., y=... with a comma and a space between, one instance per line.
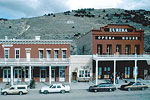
x=15, y=9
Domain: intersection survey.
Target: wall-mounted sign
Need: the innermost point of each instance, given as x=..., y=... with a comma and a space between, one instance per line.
x=116, y=38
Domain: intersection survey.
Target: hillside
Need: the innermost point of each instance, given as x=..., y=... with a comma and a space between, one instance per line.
x=71, y=24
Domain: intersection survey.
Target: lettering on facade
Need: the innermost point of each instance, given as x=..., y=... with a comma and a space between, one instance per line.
x=116, y=38
x=117, y=30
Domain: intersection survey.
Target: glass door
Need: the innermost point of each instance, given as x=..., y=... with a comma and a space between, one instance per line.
x=17, y=75
x=53, y=75
x=43, y=75
x=6, y=75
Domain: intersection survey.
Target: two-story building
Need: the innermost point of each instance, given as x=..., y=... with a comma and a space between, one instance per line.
x=42, y=60
x=118, y=50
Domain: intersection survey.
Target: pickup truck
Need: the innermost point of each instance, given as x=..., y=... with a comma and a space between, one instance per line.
x=55, y=88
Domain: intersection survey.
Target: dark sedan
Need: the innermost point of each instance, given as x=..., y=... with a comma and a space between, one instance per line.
x=102, y=87
x=134, y=86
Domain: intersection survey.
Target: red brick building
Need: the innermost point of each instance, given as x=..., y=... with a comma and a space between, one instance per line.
x=42, y=60
x=117, y=50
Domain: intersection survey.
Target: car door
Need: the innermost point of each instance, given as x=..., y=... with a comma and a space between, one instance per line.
x=52, y=88
x=101, y=87
x=11, y=90
x=59, y=88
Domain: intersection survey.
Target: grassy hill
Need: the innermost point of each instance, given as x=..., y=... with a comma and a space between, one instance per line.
x=71, y=24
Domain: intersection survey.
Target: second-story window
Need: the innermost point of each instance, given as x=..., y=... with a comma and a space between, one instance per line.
x=99, y=49
x=17, y=53
x=6, y=52
x=118, y=49
x=48, y=54
x=109, y=49
x=63, y=53
x=56, y=53
x=128, y=49
x=137, y=49
x=41, y=54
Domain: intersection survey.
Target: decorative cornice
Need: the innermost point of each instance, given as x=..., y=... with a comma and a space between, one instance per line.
x=9, y=42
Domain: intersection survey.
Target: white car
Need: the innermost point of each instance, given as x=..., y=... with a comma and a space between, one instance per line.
x=15, y=89
x=55, y=88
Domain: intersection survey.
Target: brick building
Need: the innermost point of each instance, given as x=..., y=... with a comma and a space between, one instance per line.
x=117, y=50
x=42, y=60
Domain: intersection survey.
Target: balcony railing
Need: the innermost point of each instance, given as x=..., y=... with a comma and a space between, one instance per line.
x=34, y=62
x=122, y=57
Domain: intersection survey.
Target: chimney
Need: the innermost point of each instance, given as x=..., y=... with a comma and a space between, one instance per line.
x=37, y=37
x=6, y=37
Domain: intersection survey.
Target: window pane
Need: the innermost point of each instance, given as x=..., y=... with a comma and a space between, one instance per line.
x=56, y=53
x=48, y=53
x=64, y=53
x=41, y=53
x=62, y=73
x=17, y=53
x=6, y=53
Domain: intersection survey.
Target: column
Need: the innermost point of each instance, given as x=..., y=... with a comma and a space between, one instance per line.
x=70, y=75
x=114, y=72
x=135, y=70
x=50, y=74
x=96, y=72
x=30, y=73
x=12, y=78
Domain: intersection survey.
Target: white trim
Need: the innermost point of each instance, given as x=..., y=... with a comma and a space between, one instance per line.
x=8, y=52
x=7, y=45
x=40, y=48
x=56, y=49
x=63, y=48
x=27, y=48
x=15, y=53
x=48, y=48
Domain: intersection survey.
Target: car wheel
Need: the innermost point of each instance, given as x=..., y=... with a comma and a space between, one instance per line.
x=45, y=92
x=95, y=91
x=110, y=90
x=5, y=93
x=129, y=89
x=62, y=91
x=142, y=88
x=20, y=93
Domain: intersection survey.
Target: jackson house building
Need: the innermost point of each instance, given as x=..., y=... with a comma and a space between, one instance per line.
x=41, y=60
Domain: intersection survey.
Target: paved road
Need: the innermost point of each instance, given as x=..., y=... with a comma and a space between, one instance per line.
x=82, y=95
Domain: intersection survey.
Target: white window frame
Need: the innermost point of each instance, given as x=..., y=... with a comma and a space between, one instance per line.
x=40, y=54
x=55, y=54
x=48, y=56
x=64, y=54
x=16, y=54
x=8, y=52
x=84, y=70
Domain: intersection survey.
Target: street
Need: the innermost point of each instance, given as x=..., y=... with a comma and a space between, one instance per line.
x=82, y=94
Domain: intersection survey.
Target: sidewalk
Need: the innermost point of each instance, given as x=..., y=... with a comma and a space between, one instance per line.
x=82, y=85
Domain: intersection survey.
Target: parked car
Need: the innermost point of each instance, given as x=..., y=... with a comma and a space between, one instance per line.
x=55, y=88
x=102, y=87
x=134, y=86
x=15, y=89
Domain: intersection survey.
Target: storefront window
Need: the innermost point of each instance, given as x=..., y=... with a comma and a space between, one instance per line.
x=84, y=73
x=62, y=72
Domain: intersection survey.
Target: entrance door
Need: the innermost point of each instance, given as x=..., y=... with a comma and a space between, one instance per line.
x=43, y=75
x=17, y=75
x=61, y=73
x=26, y=74
x=53, y=75
x=6, y=75
x=127, y=72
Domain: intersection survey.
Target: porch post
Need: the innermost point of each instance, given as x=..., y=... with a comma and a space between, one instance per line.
x=30, y=73
x=12, y=77
x=49, y=74
x=96, y=72
x=135, y=70
x=69, y=75
x=114, y=72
